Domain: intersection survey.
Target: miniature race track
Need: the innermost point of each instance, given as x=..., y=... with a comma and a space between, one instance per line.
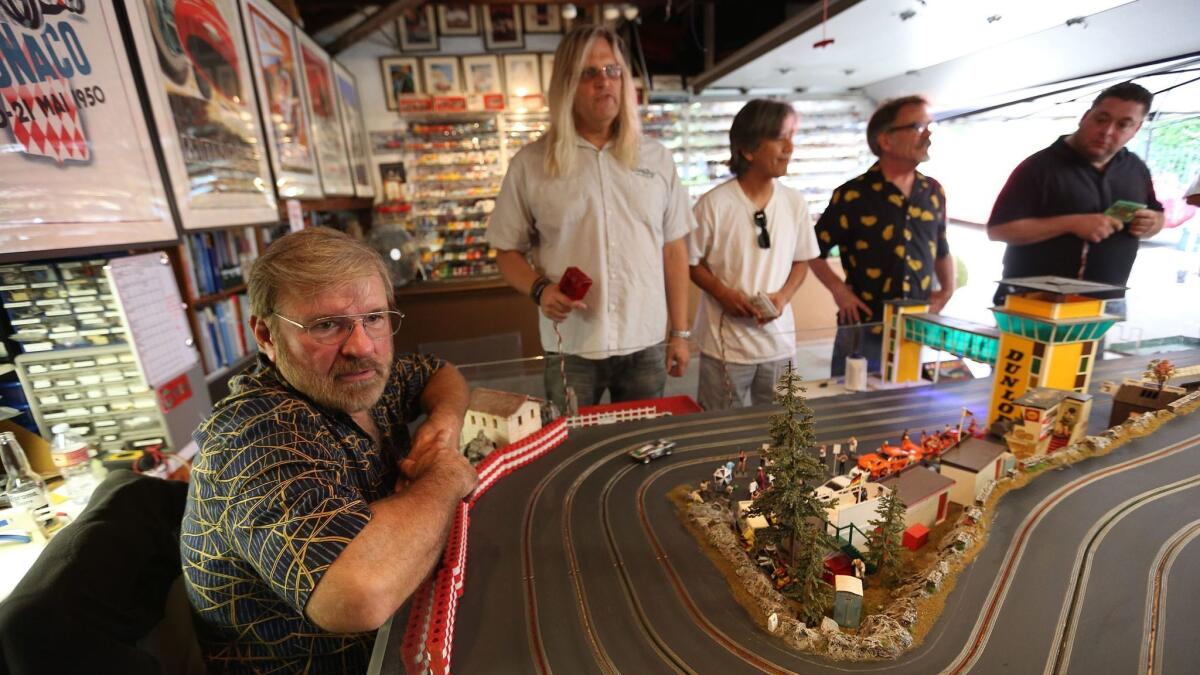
x=578, y=563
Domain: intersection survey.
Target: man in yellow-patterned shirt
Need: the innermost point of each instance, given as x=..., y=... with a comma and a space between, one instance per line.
x=889, y=226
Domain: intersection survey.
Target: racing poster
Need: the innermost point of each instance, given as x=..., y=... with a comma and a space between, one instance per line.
x=356, y=136
x=326, y=118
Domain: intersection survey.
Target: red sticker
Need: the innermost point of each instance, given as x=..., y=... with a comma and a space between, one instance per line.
x=173, y=393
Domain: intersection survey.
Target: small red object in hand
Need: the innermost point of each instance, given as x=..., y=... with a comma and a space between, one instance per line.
x=574, y=283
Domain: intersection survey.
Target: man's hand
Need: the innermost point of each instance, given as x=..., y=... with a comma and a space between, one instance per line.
x=850, y=308
x=779, y=299
x=556, y=305
x=1094, y=227
x=938, y=300
x=441, y=463
x=736, y=303
x=437, y=429
x=1146, y=223
x=678, y=354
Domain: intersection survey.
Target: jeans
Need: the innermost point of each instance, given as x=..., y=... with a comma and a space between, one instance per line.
x=870, y=345
x=630, y=377
x=748, y=384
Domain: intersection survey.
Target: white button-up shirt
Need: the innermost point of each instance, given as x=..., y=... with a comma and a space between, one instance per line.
x=610, y=222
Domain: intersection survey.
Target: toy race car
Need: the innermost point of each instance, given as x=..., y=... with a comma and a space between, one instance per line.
x=652, y=450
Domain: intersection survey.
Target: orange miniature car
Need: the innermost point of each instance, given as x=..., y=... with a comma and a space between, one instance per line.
x=879, y=465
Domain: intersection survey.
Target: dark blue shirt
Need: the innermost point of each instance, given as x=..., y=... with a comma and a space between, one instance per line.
x=278, y=489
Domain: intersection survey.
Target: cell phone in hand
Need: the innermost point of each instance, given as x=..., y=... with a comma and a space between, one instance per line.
x=1123, y=210
x=764, y=306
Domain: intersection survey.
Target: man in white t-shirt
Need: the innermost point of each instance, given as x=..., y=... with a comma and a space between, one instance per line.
x=749, y=257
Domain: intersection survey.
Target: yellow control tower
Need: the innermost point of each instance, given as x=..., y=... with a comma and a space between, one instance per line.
x=1049, y=330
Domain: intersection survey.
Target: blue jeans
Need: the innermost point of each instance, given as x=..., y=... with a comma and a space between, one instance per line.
x=870, y=345
x=748, y=384
x=630, y=377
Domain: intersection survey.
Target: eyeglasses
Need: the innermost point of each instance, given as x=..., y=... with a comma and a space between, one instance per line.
x=334, y=330
x=919, y=127
x=764, y=237
x=612, y=71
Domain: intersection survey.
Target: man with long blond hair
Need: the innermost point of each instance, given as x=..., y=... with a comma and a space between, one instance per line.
x=594, y=194
x=311, y=514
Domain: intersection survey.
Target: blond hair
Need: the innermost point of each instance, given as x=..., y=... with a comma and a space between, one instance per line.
x=569, y=61
x=309, y=262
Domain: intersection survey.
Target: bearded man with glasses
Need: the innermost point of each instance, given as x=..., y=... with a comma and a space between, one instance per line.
x=889, y=226
x=312, y=515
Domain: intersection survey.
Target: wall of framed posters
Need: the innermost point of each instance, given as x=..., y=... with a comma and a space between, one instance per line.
x=355, y=132
x=321, y=103
x=79, y=170
x=197, y=71
x=277, y=73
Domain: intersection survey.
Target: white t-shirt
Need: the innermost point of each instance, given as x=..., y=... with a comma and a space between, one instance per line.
x=726, y=238
x=610, y=222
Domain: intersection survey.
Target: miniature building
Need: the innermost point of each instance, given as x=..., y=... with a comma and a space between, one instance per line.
x=901, y=359
x=847, y=600
x=1139, y=397
x=502, y=416
x=1049, y=419
x=749, y=525
x=972, y=465
x=854, y=506
x=925, y=493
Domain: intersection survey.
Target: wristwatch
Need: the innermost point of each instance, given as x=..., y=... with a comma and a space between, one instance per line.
x=685, y=334
x=535, y=291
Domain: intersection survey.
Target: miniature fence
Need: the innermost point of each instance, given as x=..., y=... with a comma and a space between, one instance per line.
x=612, y=417
x=429, y=635
x=632, y=410
x=1178, y=403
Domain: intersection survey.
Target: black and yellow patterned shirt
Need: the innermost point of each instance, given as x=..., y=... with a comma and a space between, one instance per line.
x=278, y=489
x=888, y=243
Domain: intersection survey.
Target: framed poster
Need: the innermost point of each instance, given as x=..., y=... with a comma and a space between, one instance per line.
x=542, y=17
x=482, y=74
x=281, y=100
x=193, y=57
x=457, y=18
x=354, y=130
x=547, y=71
x=78, y=168
x=325, y=116
x=441, y=75
x=502, y=27
x=417, y=33
x=521, y=75
x=400, y=79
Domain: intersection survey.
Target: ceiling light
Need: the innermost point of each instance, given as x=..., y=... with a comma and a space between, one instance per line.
x=611, y=13
x=629, y=11
x=569, y=12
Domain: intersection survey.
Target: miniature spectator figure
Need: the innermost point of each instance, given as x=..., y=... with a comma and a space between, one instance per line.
x=890, y=226
x=741, y=464
x=841, y=463
x=748, y=255
x=761, y=477
x=1059, y=212
x=593, y=193
x=853, y=443
x=904, y=438
x=860, y=569
x=704, y=488
x=823, y=452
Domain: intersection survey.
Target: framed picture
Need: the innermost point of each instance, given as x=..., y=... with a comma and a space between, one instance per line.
x=521, y=74
x=277, y=75
x=78, y=170
x=482, y=74
x=542, y=17
x=325, y=117
x=353, y=130
x=457, y=18
x=441, y=75
x=392, y=178
x=547, y=71
x=417, y=31
x=400, y=79
x=502, y=27
x=206, y=110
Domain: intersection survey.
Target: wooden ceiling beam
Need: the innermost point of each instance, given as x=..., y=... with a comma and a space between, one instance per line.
x=370, y=24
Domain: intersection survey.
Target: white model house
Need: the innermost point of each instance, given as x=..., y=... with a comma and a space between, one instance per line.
x=925, y=493
x=503, y=417
x=972, y=465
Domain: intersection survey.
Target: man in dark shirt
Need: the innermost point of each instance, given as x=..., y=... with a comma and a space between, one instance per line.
x=311, y=516
x=890, y=226
x=1051, y=212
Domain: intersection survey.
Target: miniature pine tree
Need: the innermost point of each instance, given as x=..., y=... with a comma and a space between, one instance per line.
x=808, y=587
x=885, y=536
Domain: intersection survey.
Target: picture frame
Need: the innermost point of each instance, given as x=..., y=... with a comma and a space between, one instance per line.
x=521, y=75
x=275, y=61
x=441, y=75
x=457, y=18
x=350, y=105
x=542, y=17
x=401, y=78
x=417, y=29
x=392, y=177
x=207, y=116
x=547, y=60
x=325, y=118
x=481, y=74
x=502, y=27
x=97, y=187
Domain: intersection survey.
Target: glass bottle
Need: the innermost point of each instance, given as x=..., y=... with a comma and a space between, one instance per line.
x=25, y=488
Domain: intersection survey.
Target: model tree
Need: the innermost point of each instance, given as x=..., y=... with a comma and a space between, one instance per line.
x=791, y=504
x=885, y=536
x=1159, y=370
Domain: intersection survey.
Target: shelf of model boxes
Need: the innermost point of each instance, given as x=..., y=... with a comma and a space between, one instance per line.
x=71, y=355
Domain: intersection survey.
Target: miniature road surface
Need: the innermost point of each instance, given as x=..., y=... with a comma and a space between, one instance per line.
x=577, y=563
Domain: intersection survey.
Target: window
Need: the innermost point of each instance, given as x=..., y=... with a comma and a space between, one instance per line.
x=518, y=420
x=473, y=419
x=495, y=423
